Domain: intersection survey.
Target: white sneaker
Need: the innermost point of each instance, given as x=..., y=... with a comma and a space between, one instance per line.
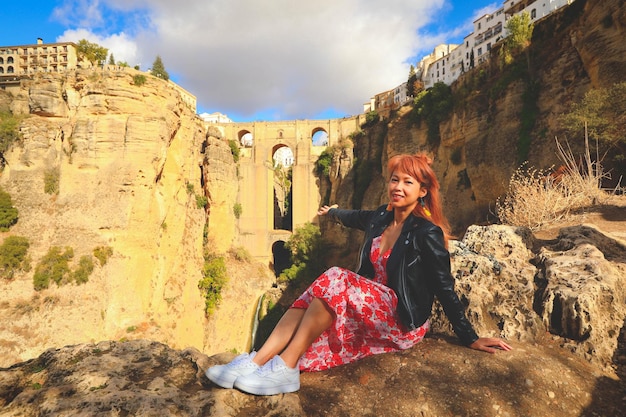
x=225, y=375
x=272, y=378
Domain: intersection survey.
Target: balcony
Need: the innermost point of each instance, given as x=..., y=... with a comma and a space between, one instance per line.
x=518, y=7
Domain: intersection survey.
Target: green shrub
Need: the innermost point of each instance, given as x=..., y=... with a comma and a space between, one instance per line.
x=324, y=162
x=9, y=132
x=8, y=213
x=371, y=118
x=432, y=107
x=234, y=149
x=201, y=201
x=53, y=266
x=102, y=254
x=85, y=268
x=189, y=188
x=13, y=255
x=139, y=79
x=237, y=210
x=305, y=247
x=214, y=279
x=51, y=181
x=241, y=254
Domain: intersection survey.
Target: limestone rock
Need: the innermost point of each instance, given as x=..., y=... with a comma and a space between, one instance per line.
x=433, y=379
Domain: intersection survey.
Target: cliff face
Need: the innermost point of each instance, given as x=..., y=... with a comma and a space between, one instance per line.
x=129, y=162
x=576, y=49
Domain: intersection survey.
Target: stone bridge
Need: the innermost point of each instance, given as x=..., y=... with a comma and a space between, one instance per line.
x=260, y=141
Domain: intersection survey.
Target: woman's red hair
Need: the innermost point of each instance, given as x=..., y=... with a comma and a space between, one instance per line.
x=418, y=166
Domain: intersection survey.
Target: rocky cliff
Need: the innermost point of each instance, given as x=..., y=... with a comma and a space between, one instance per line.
x=559, y=301
x=481, y=141
x=126, y=163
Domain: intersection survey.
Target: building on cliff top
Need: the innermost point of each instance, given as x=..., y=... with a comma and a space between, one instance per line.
x=24, y=60
x=448, y=62
x=21, y=61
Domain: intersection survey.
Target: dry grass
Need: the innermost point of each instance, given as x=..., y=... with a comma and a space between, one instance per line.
x=538, y=198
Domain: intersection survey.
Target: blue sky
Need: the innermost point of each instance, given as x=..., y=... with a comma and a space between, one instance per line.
x=254, y=60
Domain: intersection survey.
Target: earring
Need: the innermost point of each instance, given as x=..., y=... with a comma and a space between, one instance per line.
x=424, y=208
x=389, y=208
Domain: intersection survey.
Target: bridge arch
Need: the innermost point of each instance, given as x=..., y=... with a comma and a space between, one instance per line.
x=256, y=225
x=245, y=138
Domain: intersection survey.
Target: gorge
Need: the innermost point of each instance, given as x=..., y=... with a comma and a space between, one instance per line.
x=132, y=163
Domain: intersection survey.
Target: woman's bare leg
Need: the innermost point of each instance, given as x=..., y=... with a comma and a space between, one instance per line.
x=317, y=318
x=280, y=336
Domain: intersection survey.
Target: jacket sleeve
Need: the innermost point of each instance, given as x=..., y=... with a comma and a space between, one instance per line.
x=436, y=260
x=355, y=219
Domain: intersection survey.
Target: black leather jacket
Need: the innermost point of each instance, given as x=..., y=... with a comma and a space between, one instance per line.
x=418, y=268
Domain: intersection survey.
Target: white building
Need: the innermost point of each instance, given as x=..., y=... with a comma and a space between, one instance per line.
x=488, y=29
x=215, y=118
x=436, y=66
x=537, y=9
x=400, y=95
x=447, y=62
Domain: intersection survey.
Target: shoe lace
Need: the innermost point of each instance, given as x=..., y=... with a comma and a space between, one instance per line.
x=240, y=359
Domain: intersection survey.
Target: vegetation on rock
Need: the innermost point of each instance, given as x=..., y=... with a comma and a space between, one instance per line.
x=537, y=198
x=51, y=181
x=305, y=246
x=102, y=254
x=432, y=106
x=139, y=80
x=54, y=266
x=9, y=133
x=8, y=213
x=214, y=279
x=13, y=256
x=602, y=112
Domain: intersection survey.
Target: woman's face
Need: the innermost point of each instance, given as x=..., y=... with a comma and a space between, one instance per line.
x=404, y=190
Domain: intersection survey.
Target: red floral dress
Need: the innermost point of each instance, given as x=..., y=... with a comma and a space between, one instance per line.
x=366, y=321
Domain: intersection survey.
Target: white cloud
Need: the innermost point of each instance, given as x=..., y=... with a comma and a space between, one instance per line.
x=283, y=59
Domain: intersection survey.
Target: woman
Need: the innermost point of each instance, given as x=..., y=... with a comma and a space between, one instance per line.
x=384, y=307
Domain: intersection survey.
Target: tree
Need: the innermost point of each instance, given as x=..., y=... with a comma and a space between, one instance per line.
x=92, y=52
x=410, y=84
x=158, y=69
x=520, y=32
x=602, y=112
x=111, y=60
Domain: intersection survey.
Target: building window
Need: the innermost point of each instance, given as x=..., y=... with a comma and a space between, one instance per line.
x=533, y=14
x=480, y=51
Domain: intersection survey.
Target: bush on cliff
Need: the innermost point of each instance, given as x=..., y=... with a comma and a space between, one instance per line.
x=432, y=106
x=102, y=254
x=9, y=133
x=537, y=198
x=8, y=213
x=53, y=266
x=214, y=279
x=13, y=257
x=305, y=249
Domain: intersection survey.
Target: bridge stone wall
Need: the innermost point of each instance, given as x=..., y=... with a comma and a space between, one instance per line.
x=256, y=181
